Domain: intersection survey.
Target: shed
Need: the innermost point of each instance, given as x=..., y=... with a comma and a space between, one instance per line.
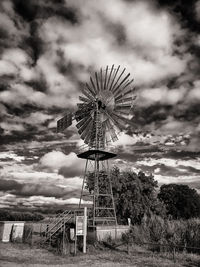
x=11, y=230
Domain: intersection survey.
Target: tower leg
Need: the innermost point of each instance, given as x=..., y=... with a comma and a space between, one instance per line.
x=84, y=177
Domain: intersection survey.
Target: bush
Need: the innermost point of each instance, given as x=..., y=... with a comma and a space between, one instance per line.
x=170, y=233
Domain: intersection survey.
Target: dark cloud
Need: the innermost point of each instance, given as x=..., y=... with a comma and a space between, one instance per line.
x=10, y=185
x=35, y=9
x=15, y=138
x=43, y=190
x=154, y=113
x=29, y=189
x=27, y=10
x=33, y=44
x=69, y=172
x=187, y=113
x=182, y=154
x=184, y=10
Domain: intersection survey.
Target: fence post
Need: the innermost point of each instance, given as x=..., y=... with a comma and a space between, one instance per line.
x=128, y=247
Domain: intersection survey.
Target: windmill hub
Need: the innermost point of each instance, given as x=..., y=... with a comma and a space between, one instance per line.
x=101, y=105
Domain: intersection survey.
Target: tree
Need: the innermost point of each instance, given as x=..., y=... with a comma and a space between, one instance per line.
x=181, y=201
x=134, y=194
x=8, y=215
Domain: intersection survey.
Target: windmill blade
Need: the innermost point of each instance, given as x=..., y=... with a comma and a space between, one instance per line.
x=97, y=82
x=64, y=122
x=87, y=130
x=81, y=122
x=114, y=120
x=108, y=138
x=113, y=88
x=83, y=126
x=101, y=80
x=126, y=93
x=84, y=110
x=93, y=85
x=92, y=92
x=122, y=106
x=107, y=85
x=125, y=87
x=120, y=121
x=114, y=76
x=111, y=130
x=118, y=124
x=80, y=115
x=125, y=100
x=124, y=112
x=86, y=100
x=85, y=92
x=102, y=138
x=118, y=87
x=105, y=80
x=87, y=134
x=81, y=105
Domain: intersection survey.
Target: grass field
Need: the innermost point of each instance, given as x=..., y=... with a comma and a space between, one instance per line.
x=12, y=255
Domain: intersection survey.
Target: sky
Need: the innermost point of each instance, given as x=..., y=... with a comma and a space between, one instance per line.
x=49, y=49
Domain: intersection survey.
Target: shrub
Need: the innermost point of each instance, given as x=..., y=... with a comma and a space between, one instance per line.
x=177, y=234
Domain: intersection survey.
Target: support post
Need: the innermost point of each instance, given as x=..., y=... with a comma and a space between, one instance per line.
x=85, y=230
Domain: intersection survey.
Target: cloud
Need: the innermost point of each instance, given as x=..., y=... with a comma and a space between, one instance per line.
x=9, y=127
x=9, y=200
x=68, y=165
x=171, y=179
x=125, y=139
x=95, y=36
x=9, y=185
x=11, y=155
x=162, y=95
x=170, y=162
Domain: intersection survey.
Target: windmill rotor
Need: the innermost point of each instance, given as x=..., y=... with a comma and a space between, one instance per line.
x=104, y=108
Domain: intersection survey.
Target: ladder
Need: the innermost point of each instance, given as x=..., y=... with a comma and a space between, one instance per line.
x=57, y=224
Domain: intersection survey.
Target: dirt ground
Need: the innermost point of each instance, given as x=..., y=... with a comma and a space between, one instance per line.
x=15, y=255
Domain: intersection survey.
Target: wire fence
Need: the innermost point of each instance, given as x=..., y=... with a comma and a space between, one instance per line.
x=173, y=250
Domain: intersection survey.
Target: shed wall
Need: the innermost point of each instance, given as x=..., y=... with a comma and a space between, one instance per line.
x=103, y=232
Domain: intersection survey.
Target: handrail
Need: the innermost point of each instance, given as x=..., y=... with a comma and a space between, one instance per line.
x=59, y=220
x=49, y=234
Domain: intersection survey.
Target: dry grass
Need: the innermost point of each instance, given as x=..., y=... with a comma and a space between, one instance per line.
x=12, y=255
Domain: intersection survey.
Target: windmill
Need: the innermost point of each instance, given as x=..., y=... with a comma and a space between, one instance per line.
x=103, y=112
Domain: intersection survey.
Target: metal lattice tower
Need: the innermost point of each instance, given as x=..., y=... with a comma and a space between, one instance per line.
x=103, y=112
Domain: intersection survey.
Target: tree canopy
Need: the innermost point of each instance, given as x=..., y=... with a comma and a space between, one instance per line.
x=181, y=201
x=134, y=194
